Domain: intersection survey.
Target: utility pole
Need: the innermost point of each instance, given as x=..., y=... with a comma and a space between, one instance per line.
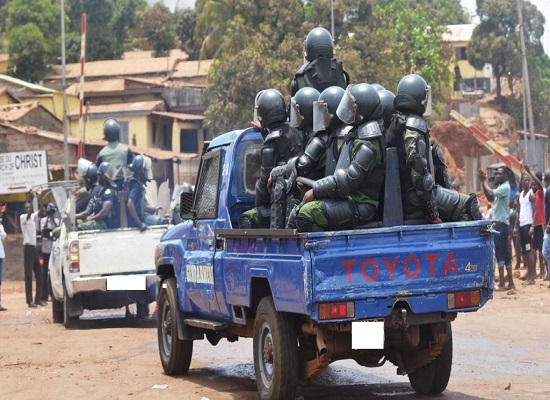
x=332, y=18
x=526, y=85
x=64, y=84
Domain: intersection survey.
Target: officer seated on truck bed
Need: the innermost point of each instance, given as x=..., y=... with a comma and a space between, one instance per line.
x=105, y=213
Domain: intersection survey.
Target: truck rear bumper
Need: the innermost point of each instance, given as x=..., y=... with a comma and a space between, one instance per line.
x=138, y=282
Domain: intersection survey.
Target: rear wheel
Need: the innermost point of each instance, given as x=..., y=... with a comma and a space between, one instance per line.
x=434, y=377
x=275, y=352
x=175, y=353
x=69, y=321
x=57, y=310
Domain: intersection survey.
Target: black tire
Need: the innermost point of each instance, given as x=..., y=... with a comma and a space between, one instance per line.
x=68, y=321
x=434, y=377
x=57, y=310
x=175, y=354
x=275, y=352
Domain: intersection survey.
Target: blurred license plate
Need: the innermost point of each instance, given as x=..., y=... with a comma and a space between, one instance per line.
x=367, y=335
x=126, y=282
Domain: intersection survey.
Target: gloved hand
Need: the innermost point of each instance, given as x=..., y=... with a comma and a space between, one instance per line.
x=142, y=226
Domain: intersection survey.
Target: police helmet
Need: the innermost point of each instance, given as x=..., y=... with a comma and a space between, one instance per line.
x=386, y=98
x=324, y=109
x=301, y=108
x=413, y=94
x=360, y=104
x=271, y=109
x=111, y=130
x=319, y=43
x=91, y=174
x=138, y=165
x=108, y=171
x=378, y=86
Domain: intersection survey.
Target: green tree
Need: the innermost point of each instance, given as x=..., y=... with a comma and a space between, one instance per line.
x=157, y=26
x=259, y=50
x=101, y=40
x=186, y=19
x=496, y=39
x=27, y=49
x=44, y=15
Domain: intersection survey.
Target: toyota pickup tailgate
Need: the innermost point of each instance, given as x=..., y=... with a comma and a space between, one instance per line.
x=444, y=267
x=118, y=251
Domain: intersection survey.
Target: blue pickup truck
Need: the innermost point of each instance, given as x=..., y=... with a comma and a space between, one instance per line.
x=373, y=294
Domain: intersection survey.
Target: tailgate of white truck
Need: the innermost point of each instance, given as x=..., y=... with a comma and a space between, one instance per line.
x=121, y=251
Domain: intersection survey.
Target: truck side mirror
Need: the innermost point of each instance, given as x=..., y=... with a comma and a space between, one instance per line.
x=186, y=205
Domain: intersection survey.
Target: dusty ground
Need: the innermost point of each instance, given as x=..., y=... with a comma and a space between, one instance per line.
x=506, y=344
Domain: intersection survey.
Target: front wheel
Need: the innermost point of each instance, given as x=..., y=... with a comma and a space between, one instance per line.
x=434, y=377
x=175, y=353
x=275, y=352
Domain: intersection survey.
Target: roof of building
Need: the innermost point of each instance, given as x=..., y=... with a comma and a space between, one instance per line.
x=28, y=85
x=113, y=85
x=5, y=90
x=13, y=112
x=140, y=107
x=191, y=68
x=128, y=66
x=144, y=54
x=4, y=56
x=31, y=130
x=459, y=33
x=179, y=116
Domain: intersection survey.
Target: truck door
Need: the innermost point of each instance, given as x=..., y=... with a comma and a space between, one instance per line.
x=200, y=243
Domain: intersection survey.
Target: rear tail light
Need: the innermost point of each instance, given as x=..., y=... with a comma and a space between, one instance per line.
x=74, y=257
x=471, y=298
x=337, y=310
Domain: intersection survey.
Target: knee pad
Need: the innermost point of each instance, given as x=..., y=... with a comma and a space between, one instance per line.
x=303, y=224
x=340, y=213
x=472, y=208
x=245, y=222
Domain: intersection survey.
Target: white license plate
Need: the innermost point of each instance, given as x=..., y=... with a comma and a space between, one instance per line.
x=126, y=282
x=367, y=335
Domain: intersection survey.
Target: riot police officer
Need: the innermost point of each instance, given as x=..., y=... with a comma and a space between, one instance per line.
x=409, y=132
x=320, y=70
x=138, y=212
x=117, y=154
x=105, y=213
x=350, y=196
x=280, y=144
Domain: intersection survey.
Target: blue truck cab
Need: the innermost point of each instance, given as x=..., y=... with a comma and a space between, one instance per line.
x=372, y=294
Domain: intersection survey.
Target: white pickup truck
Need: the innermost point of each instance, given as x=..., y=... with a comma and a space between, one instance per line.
x=100, y=269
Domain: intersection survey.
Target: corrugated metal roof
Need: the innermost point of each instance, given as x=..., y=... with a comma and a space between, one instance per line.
x=140, y=106
x=147, y=54
x=13, y=112
x=179, y=116
x=28, y=85
x=112, y=85
x=459, y=33
x=98, y=69
x=191, y=68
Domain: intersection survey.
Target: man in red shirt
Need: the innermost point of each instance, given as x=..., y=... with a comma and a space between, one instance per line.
x=539, y=219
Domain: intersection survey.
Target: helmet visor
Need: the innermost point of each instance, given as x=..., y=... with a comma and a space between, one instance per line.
x=296, y=118
x=321, y=116
x=427, y=103
x=347, y=108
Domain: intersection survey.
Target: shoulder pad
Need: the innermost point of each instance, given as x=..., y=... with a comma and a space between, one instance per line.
x=302, y=69
x=272, y=135
x=343, y=130
x=416, y=123
x=369, y=130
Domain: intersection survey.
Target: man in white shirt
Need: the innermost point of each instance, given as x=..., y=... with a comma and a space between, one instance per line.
x=29, y=221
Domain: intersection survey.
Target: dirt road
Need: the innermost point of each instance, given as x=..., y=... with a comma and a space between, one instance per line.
x=500, y=352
